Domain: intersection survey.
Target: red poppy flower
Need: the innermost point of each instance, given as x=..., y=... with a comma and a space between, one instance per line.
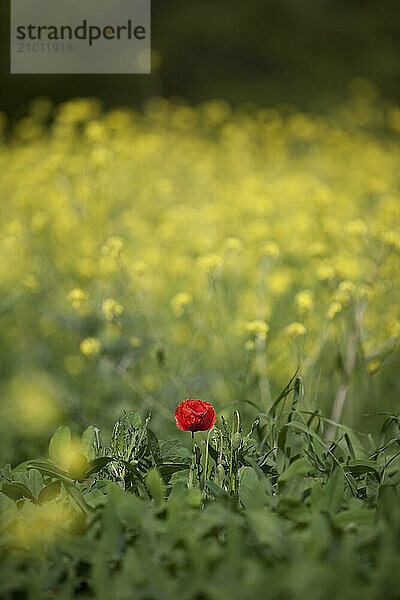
x=195, y=415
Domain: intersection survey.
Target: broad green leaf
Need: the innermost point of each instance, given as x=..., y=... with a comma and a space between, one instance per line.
x=49, y=492
x=294, y=509
x=333, y=492
x=35, y=482
x=87, y=443
x=15, y=491
x=361, y=517
x=60, y=444
x=78, y=498
x=21, y=477
x=252, y=490
x=155, y=485
x=301, y=467
x=169, y=448
x=8, y=511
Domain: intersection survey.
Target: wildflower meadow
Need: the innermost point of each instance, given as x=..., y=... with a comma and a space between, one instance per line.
x=199, y=358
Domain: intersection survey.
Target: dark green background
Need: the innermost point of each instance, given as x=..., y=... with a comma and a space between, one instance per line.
x=264, y=51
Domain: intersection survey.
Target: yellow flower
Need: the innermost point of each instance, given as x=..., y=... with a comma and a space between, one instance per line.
x=394, y=327
x=95, y=131
x=324, y=272
x=334, y=309
x=113, y=246
x=233, y=244
x=180, y=303
x=111, y=309
x=77, y=296
x=210, y=263
x=139, y=268
x=356, y=227
x=295, y=330
x=345, y=292
x=373, y=365
x=257, y=329
x=271, y=249
x=392, y=238
x=90, y=346
x=79, y=300
x=304, y=301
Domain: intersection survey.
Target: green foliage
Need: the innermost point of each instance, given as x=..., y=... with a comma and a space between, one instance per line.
x=275, y=510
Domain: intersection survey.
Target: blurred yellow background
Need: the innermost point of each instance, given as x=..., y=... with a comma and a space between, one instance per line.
x=196, y=251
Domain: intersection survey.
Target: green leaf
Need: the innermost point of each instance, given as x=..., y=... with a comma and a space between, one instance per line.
x=60, y=444
x=77, y=498
x=334, y=490
x=135, y=420
x=133, y=469
x=35, y=482
x=8, y=511
x=96, y=465
x=215, y=489
x=21, y=477
x=153, y=445
x=298, y=467
x=250, y=462
x=388, y=506
x=49, y=492
x=168, y=469
x=303, y=428
x=360, y=517
x=15, y=491
x=21, y=468
x=372, y=488
x=48, y=469
x=252, y=490
x=155, y=485
x=360, y=467
x=294, y=510
x=169, y=447
x=87, y=443
x=213, y=453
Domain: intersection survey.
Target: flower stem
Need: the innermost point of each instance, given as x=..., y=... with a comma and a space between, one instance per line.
x=193, y=460
x=206, y=458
